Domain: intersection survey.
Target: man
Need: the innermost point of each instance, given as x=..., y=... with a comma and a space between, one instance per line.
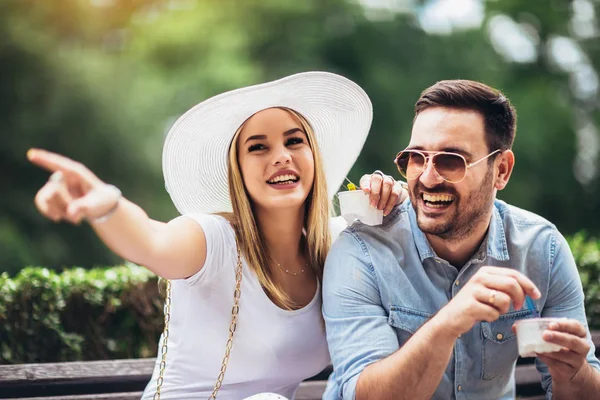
x=423, y=305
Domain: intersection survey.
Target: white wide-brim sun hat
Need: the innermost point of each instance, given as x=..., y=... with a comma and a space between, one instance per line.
x=196, y=149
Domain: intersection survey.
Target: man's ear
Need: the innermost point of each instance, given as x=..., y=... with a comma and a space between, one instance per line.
x=504, y=166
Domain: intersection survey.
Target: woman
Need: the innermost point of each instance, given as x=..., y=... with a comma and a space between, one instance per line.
x=267, y=159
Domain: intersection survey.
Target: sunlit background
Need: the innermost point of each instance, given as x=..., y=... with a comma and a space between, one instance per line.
x=103, y=80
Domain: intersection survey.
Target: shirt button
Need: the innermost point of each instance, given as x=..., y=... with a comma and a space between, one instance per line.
x=457, y=283
x=499, y=336
x=459, y=388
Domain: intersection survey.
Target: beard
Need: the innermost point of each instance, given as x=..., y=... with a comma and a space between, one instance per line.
x=467, y=213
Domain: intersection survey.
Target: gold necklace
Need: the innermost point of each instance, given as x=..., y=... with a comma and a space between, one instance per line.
x=291, y=273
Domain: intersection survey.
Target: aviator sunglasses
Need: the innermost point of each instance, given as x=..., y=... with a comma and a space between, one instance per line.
x=451, y=167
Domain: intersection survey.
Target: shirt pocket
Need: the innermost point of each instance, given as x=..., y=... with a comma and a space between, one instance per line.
x=406, y=321
x=499, y=345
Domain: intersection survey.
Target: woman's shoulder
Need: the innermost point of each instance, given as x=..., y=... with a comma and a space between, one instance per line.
x=211, y=221
x=219, y=239
x=217, y=229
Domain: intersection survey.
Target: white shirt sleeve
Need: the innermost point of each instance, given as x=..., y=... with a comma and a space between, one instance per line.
x=220, y=244
x=336, y=226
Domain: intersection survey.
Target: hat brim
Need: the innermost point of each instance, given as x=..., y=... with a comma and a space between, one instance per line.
x=196, y=148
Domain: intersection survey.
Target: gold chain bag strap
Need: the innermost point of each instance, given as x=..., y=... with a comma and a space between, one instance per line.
x=232, y=327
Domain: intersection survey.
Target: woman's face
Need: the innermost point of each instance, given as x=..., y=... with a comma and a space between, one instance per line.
x=275, y=160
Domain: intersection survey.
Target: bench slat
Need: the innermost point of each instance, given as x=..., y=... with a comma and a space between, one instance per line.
x=311, y=390
x=112, y=396
x=76, y=370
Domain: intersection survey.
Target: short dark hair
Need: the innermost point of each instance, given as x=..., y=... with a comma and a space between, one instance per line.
x=500, y=117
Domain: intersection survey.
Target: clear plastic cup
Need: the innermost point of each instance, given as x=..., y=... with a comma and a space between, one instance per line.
x=354, y=204
x=529, y=336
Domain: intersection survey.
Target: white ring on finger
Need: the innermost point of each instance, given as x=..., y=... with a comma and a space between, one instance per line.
x=57, y=177
x=492, y=298
x=378, y=172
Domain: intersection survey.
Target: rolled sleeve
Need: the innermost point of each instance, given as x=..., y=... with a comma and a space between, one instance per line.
x=358, y=333
x=565, y=300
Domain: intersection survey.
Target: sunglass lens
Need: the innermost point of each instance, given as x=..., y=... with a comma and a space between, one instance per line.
x=410, y=164
x=451, y=167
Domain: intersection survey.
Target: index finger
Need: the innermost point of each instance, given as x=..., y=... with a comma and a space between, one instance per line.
x=56, y=162
x=376, y=188
x=525, y=283
x=365, y=183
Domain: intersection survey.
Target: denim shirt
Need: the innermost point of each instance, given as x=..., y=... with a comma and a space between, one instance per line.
x=383, y=282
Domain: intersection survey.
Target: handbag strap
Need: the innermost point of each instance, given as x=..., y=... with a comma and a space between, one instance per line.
x=232, y=327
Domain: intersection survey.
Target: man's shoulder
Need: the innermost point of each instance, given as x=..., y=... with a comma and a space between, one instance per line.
x=368, y=251
x=394, y=227
x=520, y=216
x=518, y=222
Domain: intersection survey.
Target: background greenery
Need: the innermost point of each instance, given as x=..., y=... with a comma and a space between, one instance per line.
x=116, y=312
x=102, y=313
x=102, y=81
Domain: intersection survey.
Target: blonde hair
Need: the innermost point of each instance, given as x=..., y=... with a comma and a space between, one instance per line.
x=249, y=238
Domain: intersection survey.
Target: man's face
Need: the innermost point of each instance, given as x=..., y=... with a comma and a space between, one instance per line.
x=451, y=210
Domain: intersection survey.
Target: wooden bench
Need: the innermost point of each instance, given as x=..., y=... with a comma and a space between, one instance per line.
x=126, y=379
x=99, y=380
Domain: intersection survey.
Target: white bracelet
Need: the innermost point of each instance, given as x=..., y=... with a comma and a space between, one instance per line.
x=105, y=217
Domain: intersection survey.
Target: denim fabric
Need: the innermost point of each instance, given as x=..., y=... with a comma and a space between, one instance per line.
x=383, y=282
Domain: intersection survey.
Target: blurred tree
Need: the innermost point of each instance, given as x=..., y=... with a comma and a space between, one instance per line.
x=46, y=103
x=556, y=94
x=102, y=81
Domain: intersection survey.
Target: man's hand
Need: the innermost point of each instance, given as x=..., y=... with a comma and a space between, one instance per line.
x=384, y=191
x=567, y=366
x=484, y=297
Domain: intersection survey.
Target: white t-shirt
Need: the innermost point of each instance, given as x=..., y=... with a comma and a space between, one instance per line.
x=273, y=349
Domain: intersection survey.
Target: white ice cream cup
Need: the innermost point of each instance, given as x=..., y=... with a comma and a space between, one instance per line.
x=529, y=336
x=354, y=204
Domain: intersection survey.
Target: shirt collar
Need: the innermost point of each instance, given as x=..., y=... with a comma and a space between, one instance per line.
x=496, y=237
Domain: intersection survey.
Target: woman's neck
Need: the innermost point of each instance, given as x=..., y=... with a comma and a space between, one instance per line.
x=282, y=233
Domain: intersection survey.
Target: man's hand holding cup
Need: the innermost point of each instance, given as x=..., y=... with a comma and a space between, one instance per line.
x=487, y=295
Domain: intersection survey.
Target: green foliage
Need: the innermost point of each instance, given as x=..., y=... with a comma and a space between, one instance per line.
x=113, y=313
x=586, y=252
x=103, y=313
